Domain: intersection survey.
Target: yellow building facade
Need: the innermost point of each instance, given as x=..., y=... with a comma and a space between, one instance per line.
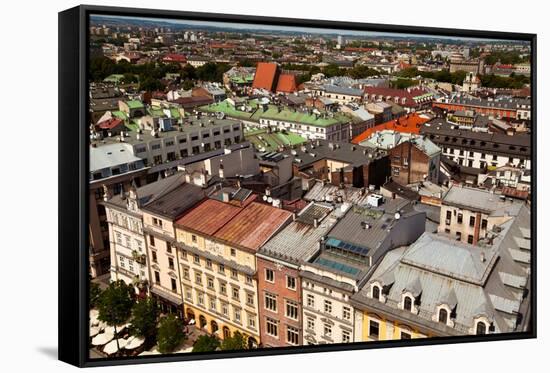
x=218, y=285
x=373, y=326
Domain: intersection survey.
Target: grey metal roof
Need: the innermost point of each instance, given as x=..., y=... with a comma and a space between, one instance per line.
x=298, y=241
x=389, y=139
x=175, y=202
x=111, y=155
x=310, y=153
x=322, y=192
x=451, y=272
x=480, y=200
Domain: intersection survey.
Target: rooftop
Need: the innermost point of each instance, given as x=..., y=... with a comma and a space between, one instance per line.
x=410, y=123
x=253, y=226
x=481, y=200
x=389, y=139
x=111, y=155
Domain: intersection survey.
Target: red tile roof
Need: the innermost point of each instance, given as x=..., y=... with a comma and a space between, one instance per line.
x=266, y=72
x=109, y=124
x=208, y=216
x=410, y=123
x=253, y=226
x=173, y=57
x=286, y=83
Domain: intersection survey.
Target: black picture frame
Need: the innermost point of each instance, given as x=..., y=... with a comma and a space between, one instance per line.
x=73, y=181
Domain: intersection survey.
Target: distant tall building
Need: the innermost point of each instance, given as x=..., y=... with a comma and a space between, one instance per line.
x=341, y=42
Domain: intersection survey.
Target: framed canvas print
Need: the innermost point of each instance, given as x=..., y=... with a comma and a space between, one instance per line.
x=237, y=186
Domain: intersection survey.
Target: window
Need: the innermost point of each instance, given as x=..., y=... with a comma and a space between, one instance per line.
x=223, y=288
x=198, y=278
x=151, y=240
x=448, y=218
x=472, y=221
x=481, y=328
x=200, y=299
x=310, y=323
x=271, y=302
x=405, y=335
x=374, y=329
x=376, y=292
x=121, y=261
x=292, y=335
x=269, y=275
x=210, y=283
x=458, y=236
x=443, y=315
x=234, y=274
x=188, y=295
x=221, y=269
x=327, y=330
x=328, y=306
x=225, y=309
x=459, y=218
x=186, y=273
x=249, y=280
x=310, y=300
x=271, y=327
x=484, y=224
x=171, y=263
x=233, y=252
x=174, y=286
x=470, y=239
x=346, y=313
x=157, y=277
x=208, y=263
x=235, y=293
x=212, y=303
x=196, y=259
x=184, y=255
x=193, y=238
x=292, y=310
x=346, y=336
x=251, y=321
x=291, y=282
x=157, y=222
x=407, y=304
x=237, y=315
x=250, y=299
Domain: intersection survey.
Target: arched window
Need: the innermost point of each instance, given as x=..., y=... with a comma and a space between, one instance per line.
x=376, y=292
x=481, y=328
x=443, y=315
x=407, y=304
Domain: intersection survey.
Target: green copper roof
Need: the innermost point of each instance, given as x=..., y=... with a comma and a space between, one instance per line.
x=134, y=104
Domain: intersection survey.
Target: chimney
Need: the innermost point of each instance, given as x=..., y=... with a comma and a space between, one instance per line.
x=315, y=222
x=220, y=170
x=226, y=197
x=482, y=257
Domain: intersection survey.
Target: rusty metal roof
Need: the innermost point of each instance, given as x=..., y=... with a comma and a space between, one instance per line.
x=208, y=217
x=254, y=225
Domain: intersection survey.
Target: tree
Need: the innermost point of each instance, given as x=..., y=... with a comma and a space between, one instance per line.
x=206, y=343
x=236, y=342
x=95, y=293
x=170, y=333
x=115, y=304
x=144, y=318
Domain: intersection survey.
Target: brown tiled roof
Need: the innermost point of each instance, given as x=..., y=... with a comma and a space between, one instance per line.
x=254, y=225
x=264, y=78
x=286, y=83
x=208, y=217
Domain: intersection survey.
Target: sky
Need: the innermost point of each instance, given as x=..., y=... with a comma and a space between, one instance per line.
x=305, y=30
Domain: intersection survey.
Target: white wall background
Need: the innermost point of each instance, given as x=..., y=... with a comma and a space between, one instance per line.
x=28, y=136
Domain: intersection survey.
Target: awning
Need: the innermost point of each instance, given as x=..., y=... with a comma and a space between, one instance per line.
x=171, y=297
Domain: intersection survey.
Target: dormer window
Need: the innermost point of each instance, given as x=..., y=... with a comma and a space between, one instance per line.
x=481, y=328
x=407, y=303
x=376, y=292
x=443, y=316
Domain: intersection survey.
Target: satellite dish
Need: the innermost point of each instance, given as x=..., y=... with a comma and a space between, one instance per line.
x=264, y=198
x=397, y=216
x=220, y=115
x=269, y=199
